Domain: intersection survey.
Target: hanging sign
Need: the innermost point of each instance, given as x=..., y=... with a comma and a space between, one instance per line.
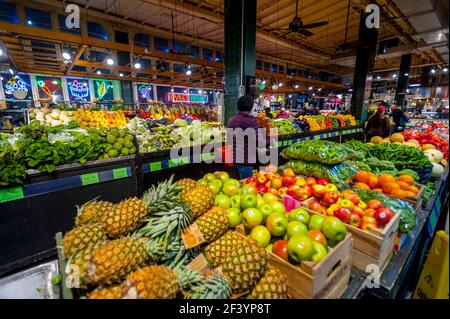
x=144, y=92
x=78, y=89
x=17, y=87
x=49, y=88
x=104, y=90
x=187, y=98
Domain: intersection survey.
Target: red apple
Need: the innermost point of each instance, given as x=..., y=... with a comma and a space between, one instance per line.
x=322, y=181
x=343, y=214
x=374, y=204
x=282, y=190
x=291, y=189
x=347, y=204
x=318, y=236
x=261, y=178
x=329, y=198
x=331, y=188
x=315, y=206
x=311, y=181
x=288, y=172
x=288, y=180
x=302, y=193
x=368, y=223
x=262, y=189
x=300, y=181
x=358, y=211
x=279, y=248
x=251, y=179
x=383, y=215
x=355, y=219
x=318, y=190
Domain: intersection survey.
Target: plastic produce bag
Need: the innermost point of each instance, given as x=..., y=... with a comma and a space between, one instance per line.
x=324, y=152
x=406, y=211
x=339, y=174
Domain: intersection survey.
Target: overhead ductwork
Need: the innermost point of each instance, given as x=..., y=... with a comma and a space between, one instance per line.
x=429, y=21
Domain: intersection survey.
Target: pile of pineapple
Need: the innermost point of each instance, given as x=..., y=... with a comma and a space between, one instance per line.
x=134, y=249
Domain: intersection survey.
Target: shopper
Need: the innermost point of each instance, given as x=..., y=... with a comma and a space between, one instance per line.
x=244, y=120
x=268, y=112
x=315, y=111
x=282, y=114
x=378, y=124
x=440, y=108
x=400, y=119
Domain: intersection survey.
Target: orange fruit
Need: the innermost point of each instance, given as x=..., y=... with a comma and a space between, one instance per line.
x=379, y=190
x=362, y=177
x=398, y=193
x=403, y=185
x=413, y=189
x=373, y=182
x=410, y=194
x=386, y=179
x=407, y=179
x=389, y=187
x=362, y=186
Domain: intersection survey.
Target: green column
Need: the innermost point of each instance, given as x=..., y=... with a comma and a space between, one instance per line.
x=365, y=60
x=240, y=52
x=402, y=79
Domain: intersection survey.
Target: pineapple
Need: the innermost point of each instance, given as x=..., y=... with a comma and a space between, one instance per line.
x=81, y=260
x=125, y=217
x=158, y=282
x=186, y=185
x=244, y=266
x=113, y=292
x=218, y=250
x=273, y=285
x=113, y=261
x=163, y=197
x=82, y=237
x=213, y=224
x=199, y=200
x=92, y=211
x=216, y=287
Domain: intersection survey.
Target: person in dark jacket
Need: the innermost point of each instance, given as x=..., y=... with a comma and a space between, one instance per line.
x=378, y=124
x=400, y=119
x=268, y=113
x=243, y=159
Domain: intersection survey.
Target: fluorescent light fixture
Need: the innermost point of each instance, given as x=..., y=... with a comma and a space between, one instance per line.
x=414, y=84
x=1, y=51
x=406, y=74
x=296, y=86
x=310, y=88
x=378, y=77
x=137, y=65
x=172, y=90
x=264, y=82
x=66, y=55
x=99, y=72
x=444, y=69
x=320, y=89
x=394, y=75
x=109, y=61
x=29, y=22
x=290, y=96
x=433, y=71
x=11, y=71
x=280, y=84
x=121, y=74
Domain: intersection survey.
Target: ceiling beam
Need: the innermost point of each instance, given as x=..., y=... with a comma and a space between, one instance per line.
x=77, y=56
x=111, y=6
x=133, y=11
x=89, y=3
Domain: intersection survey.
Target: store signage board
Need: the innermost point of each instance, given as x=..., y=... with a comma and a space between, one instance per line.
x=16, y=87
x=10, y=194
x=120, y=173
x=49, y=88
x=91, y=178
x=187, y=98
x=78, y=89
x=103, y=90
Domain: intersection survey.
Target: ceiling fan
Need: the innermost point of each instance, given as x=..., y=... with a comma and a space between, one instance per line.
x=297, y=26
x=349, y=45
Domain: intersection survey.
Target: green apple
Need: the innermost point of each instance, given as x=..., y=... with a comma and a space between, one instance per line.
x=234, y=216
x=260, y=200
x=232, y=181
x=248, y=200
x=320, y=252
x=230, y=189
x=315, y=222
x=215, y=186
x=223, y=176
x=277, y=224
x=300, y=215
x=252, y=217
x=266, y=210
x=223, y=201
x=270, y=198
x=209, y=177
x=269, y=247
x=202, y=181
x=296, y=228
x=333, y=228
x=261, y=234
x=300, y=248
x=278, y=207
x=249, y=188
x=236, y=201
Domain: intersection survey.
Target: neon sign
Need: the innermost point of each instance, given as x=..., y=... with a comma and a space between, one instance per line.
x=145, y=91
x=187, y=98
x=78, y=89
x=102, y=88
x=49, y=87
x=17, y=87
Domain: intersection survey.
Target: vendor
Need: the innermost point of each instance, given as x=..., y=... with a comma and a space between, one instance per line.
x=378, y=124
x=400, y=119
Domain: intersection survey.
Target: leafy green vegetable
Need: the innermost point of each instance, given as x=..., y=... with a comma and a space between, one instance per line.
x=324, y=152
x=12, y=167
x=428, y=192
x=361, y=165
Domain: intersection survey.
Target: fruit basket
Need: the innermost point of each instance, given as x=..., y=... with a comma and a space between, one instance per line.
x=327, y=279
x=371, y=246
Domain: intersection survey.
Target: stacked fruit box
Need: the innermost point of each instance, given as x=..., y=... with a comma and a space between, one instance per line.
x=372, y=246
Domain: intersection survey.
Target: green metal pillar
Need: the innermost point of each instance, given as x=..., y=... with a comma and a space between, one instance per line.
x=365, y=60
x=240, y=52
x=402, y=81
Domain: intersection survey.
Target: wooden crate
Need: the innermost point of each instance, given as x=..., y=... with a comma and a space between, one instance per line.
x=327, y=279
x=371, y=247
